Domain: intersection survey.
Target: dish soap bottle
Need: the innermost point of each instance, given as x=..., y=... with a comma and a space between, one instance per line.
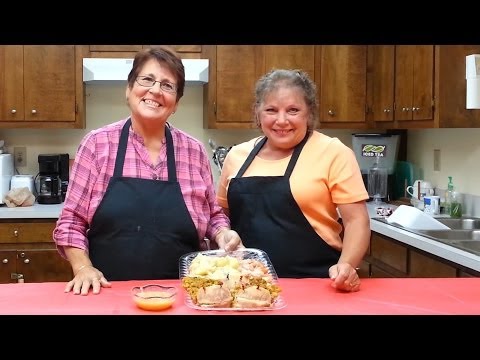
x=448, y=196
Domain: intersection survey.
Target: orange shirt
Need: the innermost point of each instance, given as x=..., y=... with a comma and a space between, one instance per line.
x=326, y=174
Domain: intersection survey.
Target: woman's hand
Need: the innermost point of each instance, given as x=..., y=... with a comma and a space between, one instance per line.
x=344, y=277
x=87, y=276
x=228, y=240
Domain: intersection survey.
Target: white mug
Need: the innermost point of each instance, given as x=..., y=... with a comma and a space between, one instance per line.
x=426, y=188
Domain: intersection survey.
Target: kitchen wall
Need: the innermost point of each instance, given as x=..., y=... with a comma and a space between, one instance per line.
x=459, y=148
x=105, y=104
x=459, y=156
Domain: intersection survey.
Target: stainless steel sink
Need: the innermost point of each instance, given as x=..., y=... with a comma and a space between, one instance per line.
x=468, y=245
x=451, y=235
x=464, y=223
x=458, y=236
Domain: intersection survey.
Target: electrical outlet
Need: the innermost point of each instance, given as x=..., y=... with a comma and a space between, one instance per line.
x=20, y=156
x=436, y=160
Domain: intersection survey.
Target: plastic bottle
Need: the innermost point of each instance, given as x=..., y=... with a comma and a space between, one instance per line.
x=456, y=205
x=448, y=196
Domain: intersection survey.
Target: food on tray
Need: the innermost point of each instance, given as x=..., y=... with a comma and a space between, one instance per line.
x=226, y=281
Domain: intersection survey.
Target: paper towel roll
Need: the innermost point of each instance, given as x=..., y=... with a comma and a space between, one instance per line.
x=473, y=93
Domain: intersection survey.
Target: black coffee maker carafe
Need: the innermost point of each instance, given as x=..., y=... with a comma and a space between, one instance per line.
x=49, y=188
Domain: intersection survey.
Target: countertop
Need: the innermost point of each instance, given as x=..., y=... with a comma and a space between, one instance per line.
x=431, y=246
x=37, y=211
x=469, y=260
x=389, y=296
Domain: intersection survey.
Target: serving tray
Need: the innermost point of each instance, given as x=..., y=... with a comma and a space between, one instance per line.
x=250, y=253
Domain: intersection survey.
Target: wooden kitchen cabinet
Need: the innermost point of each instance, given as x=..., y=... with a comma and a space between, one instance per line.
x=27, y=251
x=129, y=51
x=381, y=83
x=41, y=86
x=233, y=73
x=388, y=255
x=400, y=85
x=413, y=83
x=419, y=86
x=426, y=266
x=391, y=258
x=341, y=77
x=450, y=87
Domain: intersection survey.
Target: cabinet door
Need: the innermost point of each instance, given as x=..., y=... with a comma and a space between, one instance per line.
x=7, y=266
x=237, y=69
x=38, y=231
x=414, y=82
x=11, y=83
x=343, y=81
x=115, y=48
x=49, y=78
x=43, y=265
x=380, y=82
x=376, y=272
x=388, y=252
x=300, y=57
x=422, y=266
x=186, y=51
x=129, y=51
x=363, y=270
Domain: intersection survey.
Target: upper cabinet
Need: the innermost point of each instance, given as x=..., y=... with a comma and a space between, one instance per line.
x=400, y=86
x=41, y=86
x=414, y=82
x=129, y=51
x=341, y=77
x=418, y=86
x=233, y=73
x=381, y=83
x=450, y=87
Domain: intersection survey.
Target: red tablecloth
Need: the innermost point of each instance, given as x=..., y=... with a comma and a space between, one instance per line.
x=302, y=297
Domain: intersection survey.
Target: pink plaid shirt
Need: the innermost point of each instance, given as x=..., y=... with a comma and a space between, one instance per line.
x=93, y=168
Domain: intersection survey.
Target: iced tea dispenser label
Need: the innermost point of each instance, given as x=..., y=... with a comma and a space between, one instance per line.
x=371, y=150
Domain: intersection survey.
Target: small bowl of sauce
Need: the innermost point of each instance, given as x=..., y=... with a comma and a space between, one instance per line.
x=154, y=297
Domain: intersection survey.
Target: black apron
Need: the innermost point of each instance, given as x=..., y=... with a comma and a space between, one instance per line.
x=142, y=226
x=266, y=216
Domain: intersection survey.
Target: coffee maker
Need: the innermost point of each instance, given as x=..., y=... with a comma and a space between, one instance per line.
x=53, y=178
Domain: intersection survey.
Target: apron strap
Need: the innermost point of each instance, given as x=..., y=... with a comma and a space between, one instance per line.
x=122, y=146
x=259, y=145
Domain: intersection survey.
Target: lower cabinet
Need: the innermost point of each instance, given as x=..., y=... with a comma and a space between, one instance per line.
x=388, y=257
x=28, y=253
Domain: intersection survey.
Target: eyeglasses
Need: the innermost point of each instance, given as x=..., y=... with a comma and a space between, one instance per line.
x=147, y=81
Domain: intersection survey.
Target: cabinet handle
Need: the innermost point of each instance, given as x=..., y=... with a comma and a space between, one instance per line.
x=34, y=111
x=386, y=110
x=26, y=261
x=5, y=261
x=405, y=109
x=331, y=112
x=416, y=109
x=22, y=255
x=15, y=233
x=14, y=111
